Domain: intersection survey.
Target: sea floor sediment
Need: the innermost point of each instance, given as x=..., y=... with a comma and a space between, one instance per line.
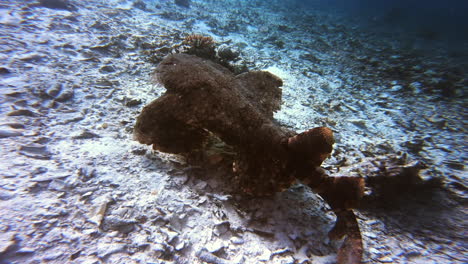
x=76, y=188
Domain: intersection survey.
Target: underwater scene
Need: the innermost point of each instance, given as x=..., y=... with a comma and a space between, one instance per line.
x=230, y=131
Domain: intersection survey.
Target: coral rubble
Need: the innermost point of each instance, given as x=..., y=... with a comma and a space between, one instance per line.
x=200, y=45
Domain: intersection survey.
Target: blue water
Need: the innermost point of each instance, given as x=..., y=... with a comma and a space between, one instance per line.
x=433, y=19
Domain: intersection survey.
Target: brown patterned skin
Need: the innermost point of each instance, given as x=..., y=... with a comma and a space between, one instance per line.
x=205, y=100
x=204, y=96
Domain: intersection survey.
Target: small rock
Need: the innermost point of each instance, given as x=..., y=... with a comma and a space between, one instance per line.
x=43, y=140
x=36, y=187
x=221, y=197
x=4, y=71
x=57, y=4
x=281, y=251
x=171, y=235
x=91, y=232
x=263, y=233
x=33, y=57
x=4, y=133
x=65, y=95
x=180, y=180
x=158, y=249
x=370, y=235
x=36, y=151
x=8, y=241
x=221, y=228
x=215, y=246
x=140, y=5
x=9, y=174
x=16, y=125
x=105, y=250
x=96, y=215
x=455, y=164
x=208, y=257
x=413, y=253
x=139, y=151
x=107, y=69
x=301, y=255
x=265, y=256
x=38, y=170
x=71, y=119
x=439, y=122
x=26, y=251
x=290, y=260
x=54, y=90
x=430, y=73
x=86, y=173
x=200, y=185
x=22, y=112
x=386, y=259
x=132, y=102
x=100, y=26
x=226, y=53
x=415, y=87
x=52, y=256
x=89, y=260
x=75, y=255
x=48, y=178
x=396, y=88
x=104, y=83
x=293, y=235
x=183, y=3
x=237, y=240
x=140, y=240
x=6, y=195
x=57, y=185
x=119, y=224
x=180, y=246
x=86, y=135
x=359, y=123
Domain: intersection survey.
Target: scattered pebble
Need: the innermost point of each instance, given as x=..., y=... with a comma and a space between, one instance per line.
x=104, y=250
x=116, y=223
x=96, y=215
x=57, y=4
x=212, y=259
x=8, y=240
x=237, y=240
x=215, y=246
x=36, y=151
x=22, y=112
x=86, y=135
x=4, y=133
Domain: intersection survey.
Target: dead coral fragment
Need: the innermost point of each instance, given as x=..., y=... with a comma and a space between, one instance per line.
x=199, y=45
x=199, y=41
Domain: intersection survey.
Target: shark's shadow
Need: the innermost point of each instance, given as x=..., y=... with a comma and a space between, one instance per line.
x=428, y=213
x=295, y=221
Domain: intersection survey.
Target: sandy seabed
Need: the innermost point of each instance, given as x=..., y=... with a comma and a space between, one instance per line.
x=76, y=188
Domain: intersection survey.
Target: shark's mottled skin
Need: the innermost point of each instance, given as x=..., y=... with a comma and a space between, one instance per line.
x=204, y=100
